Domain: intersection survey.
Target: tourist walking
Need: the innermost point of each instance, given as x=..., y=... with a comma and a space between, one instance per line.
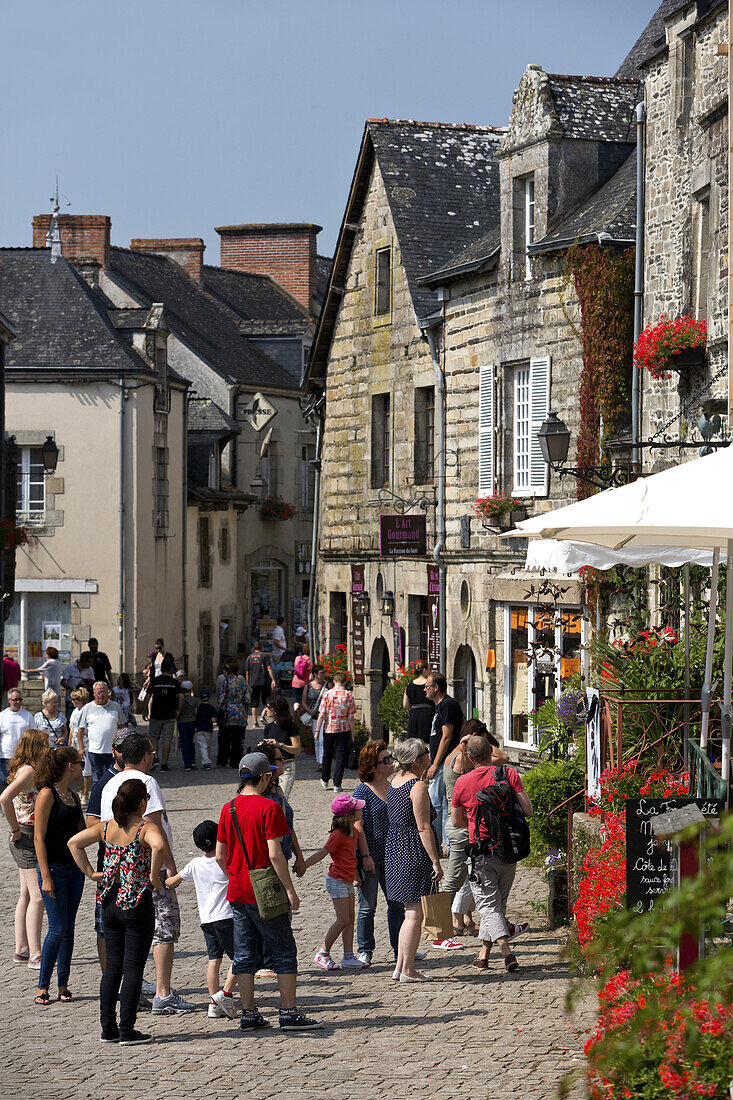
x=340, y=881
x=57, y=817
x=420, y=708
x=187, y=725
x=160, y=656
x=163, y=702
x=14, y=721
x=101, y=666
x=94, y=814
x=11, y=675
x=290, y=844
x=122, y=695
x=412, y=861
x=216, y=916
x=250, y=828
x=232, y=715
x=279, y=641
x=133, y=855
x=204, y=727
x=491, y=877
x=50, y=670
x=49, y=720
x=335, y=724
x=310, y=704
x=283, y=732
x=376, y=766
x=301, y=673
x=78, y=674
x=18, y=804
x=98, y=723
x=260, y=678
x=444, y=735
x=137, y=756
x=79, y=699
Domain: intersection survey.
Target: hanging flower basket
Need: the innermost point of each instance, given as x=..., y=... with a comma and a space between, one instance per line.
x=677, y=345
x=12, y=534
x=500, y=510
x=277, y=508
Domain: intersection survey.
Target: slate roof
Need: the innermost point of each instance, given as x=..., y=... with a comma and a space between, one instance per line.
x=62, y=324
x=442, y=182
x=204, y=415
x=253, y=297
x=611, y=211
x=207, y=325
x=595, y=108
x=652, y=39
x=472, y=259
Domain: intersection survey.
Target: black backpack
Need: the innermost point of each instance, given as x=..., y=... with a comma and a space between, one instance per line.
x=500, y=826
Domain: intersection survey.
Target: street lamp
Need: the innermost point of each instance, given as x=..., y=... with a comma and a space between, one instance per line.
x=50, y=455
x=554, y=440
x=388, y=605
x=363, y=604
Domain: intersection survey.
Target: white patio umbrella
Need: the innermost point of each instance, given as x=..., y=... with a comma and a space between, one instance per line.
x=687, y=506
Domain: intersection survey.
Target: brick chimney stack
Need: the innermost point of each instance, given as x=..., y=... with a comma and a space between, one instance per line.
x=286, y=252
x=187, y=252
x=83, y=236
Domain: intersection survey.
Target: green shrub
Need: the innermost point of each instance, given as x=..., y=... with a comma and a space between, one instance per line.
x=548, y=785
x=392, y=715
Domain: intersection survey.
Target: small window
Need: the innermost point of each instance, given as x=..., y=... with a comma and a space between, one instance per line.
x=383, y=282
x=528, y=223
x=224, y=543
x=424, y=434
x=31, y=499
x=204, y=550
x=521, y=429
x=381, y=440
x=338, y=619
x=701, y=229
x=307, y=476
x=523, y=223
x=160, y=517
x=162, y=392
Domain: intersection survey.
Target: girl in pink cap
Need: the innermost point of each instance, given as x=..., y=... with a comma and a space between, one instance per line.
x=340, y=881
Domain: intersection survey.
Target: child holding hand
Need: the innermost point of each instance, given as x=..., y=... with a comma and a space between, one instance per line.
x=340, y=880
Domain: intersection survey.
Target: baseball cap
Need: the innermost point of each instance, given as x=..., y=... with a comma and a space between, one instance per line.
x=204, y=693
x=204, y=835
x=187, y=685
x=343, y=804
x=180, y=675
x=253, y=764
x=120, y=736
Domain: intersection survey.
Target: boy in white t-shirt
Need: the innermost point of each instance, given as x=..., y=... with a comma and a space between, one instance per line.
x=217, y=919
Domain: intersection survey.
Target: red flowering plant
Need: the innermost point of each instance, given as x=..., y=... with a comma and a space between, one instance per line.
x=12, y=534
x=658, y=344
x=497, y=505
x=277, y=508
x=335, y=661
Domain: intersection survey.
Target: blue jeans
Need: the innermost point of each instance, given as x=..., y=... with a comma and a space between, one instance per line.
x=252, y=934
x=436, y=791
x=370, y=881
x=185, y=732
x=58, y=946
x=101, y=762
x=4, y=768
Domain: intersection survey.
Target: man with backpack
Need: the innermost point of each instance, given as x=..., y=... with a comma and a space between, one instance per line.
x=257, y=670
x=493, y=803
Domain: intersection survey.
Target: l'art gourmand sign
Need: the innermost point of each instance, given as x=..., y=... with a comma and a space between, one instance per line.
x=403, y=537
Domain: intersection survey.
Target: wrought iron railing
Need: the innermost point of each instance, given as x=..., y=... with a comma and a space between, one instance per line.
x=705, y=781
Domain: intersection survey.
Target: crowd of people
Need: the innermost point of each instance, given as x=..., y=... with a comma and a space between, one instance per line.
x=415, y=804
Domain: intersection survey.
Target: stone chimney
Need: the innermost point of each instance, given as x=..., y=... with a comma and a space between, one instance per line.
x=83, y=236
x=286, y=252
x=187, y=252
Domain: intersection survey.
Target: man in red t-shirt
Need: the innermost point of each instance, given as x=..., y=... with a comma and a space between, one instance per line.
x=262, y=823
x=492, y=878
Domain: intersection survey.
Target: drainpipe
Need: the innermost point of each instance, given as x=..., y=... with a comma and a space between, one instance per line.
x=121, y=604
x=184, y=531
x=312, y=631
x=638, y=286
x=440, y=507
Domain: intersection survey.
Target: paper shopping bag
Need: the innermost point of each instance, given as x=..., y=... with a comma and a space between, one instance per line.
x=437, y=919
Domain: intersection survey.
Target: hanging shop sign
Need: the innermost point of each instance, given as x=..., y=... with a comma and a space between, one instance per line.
x=357, y=623
x=398, y=637
x=403, y=536
x=434, y=646
x=258, y=412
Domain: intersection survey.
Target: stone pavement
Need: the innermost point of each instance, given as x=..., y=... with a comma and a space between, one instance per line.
x=469, y=1034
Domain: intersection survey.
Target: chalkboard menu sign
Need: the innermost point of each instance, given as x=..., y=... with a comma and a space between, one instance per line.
x=649, y=870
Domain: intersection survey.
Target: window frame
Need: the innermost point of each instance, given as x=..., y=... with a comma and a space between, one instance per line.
x=204, y=551
x=382, y=310
x=380, y=474
x=424, y=449
x=529, y=223
x=521, y=485
x=24, y=513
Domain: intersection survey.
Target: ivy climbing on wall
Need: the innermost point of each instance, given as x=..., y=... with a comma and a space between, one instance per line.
x=604, y=284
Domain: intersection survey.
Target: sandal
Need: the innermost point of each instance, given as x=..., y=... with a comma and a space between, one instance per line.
x=43, y=999
x=65, y=996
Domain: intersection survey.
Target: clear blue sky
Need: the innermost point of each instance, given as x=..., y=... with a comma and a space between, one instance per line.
x=174, y=116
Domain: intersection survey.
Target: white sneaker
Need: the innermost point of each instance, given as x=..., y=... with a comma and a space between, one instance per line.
x=351, y=962
x=447, y=945
x=324, y=784
x=338, y=790
x=325, y=961
x=227, y=1005
x=215, y=1013
x=365, y=957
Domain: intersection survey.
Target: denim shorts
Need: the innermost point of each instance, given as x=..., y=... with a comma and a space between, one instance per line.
x=219, y=936
x=251, y=932
x=338, y=888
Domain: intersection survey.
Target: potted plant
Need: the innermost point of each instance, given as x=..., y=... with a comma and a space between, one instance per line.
x=671, y=345
x=500, y=510
x=276, y=508
x=12, y=534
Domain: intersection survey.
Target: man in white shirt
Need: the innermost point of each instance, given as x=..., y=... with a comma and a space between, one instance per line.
x=137, y=756
x=279, y=643
x=99, y=721
x=14, y=721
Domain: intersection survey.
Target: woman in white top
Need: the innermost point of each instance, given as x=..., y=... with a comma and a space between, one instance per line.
x=50, y=721
x=50, y=670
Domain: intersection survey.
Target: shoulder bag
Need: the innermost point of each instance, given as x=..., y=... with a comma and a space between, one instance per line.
x=269, y=892
x=308, y=719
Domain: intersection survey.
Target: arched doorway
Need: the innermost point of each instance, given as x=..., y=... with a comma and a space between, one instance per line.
x=464, y=680
x=378, y=675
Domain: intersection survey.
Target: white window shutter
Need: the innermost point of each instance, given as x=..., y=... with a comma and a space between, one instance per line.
x=539, y=396
x=486, y=431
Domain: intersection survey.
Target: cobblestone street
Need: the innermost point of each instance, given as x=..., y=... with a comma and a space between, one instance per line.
x=464, y=1035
